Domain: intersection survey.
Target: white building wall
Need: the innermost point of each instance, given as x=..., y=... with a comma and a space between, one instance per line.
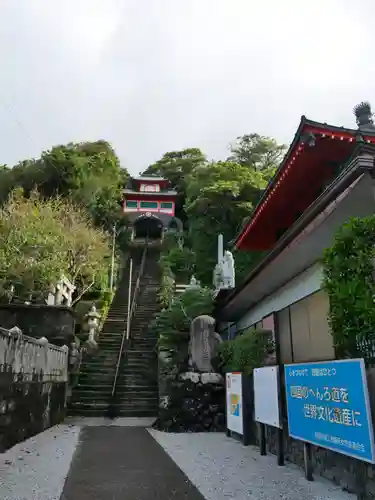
x=301, y=286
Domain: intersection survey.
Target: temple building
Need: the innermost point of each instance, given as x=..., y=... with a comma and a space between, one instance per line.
x=150, y=205
x=326, y=177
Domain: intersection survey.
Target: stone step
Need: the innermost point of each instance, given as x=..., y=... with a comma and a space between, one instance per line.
x=130, y=365
x=95, y=412
x=117, y=336
x=103, y=356
x=130, y=398
x=134, y=380
x=115, y=325
x=138, y=406
x=131, y=379
x=121, y=388
x=151, y=347
x=139, y=368
x=100, y=368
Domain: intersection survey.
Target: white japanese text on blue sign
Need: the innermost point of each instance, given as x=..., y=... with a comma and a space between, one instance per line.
x=328, y=406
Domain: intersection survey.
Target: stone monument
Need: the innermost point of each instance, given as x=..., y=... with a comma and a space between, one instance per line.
x=203, y=344
x=194, y=400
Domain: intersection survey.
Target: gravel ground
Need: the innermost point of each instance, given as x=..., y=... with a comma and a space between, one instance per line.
x=222, y=469
x=36, y=468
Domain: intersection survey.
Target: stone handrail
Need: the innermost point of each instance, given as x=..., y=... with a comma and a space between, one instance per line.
x=29, y=359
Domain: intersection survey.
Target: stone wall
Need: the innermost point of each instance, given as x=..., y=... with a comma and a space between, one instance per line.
x=189, y=401
x=56, y=323
x=193, y=402
x=33, y=381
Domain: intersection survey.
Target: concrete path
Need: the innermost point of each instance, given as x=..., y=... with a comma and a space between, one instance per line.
x=114, y=463
x=106, y=460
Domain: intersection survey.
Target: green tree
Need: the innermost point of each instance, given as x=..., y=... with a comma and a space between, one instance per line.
x=89, y=173
x=42, y=239
x=219, y=196
x=180, y=262
x=176, y=166
x=258, y=152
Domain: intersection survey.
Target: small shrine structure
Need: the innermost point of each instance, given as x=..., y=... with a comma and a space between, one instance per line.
x=150, y=204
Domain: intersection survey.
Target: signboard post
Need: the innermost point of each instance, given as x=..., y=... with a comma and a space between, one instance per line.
x=267, y=396
x=328, y=406
x=237, y=406
x=267, y=399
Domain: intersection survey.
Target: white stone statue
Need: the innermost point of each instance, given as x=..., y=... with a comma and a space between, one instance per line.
x=224, y=272
x=203, y=344
x=228, y=270
x=74, y=357
x=61, y=294
x=194, y=283
x=218, y=280
x=93, y=324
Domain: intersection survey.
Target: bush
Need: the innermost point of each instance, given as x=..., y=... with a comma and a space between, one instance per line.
x=40, y=240
x=180, y=261
x=167, y=287
x=246, y=352
x=349, y=282
x=172, y=325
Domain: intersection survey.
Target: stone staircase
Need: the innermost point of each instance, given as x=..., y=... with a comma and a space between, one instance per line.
x=92, y=394
x=136, y=388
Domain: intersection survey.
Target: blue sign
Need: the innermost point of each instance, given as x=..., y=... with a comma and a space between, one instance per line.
x=328, y=405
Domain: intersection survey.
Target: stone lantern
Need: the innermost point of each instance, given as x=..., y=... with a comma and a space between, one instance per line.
x=93, y=318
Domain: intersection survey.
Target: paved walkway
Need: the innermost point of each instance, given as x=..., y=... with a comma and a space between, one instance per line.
x=104, y=460
x=125, y=462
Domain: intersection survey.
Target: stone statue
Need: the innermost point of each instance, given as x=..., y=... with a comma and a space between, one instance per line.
x=93, y=318
x=218, y=277
x=193, y=281
x=203, y=343
x=74, y=357
x=228, y=270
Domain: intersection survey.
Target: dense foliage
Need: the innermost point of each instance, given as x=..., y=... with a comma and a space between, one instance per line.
x=218, y=197
x=349, y=282
x=172, y=324
x=176, y=166
x=88, y=173
x=86, y=179
x=60, y=230
x=258, y=152
x=246, y=351
x=43, y=239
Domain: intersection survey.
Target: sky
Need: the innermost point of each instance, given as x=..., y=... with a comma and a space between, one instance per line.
x=151, y=76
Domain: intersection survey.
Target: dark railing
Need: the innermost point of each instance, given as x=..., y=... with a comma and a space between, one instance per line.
x=131, y=310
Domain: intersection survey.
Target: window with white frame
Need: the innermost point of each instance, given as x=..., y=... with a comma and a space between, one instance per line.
x=152, y=188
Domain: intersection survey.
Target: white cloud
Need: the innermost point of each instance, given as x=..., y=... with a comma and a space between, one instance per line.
x=152, y=76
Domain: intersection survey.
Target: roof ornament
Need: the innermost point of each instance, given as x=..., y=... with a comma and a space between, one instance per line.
x=364, y=116
x=309, y=139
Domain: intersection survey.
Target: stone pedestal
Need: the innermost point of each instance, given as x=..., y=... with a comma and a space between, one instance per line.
x=194, y=402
